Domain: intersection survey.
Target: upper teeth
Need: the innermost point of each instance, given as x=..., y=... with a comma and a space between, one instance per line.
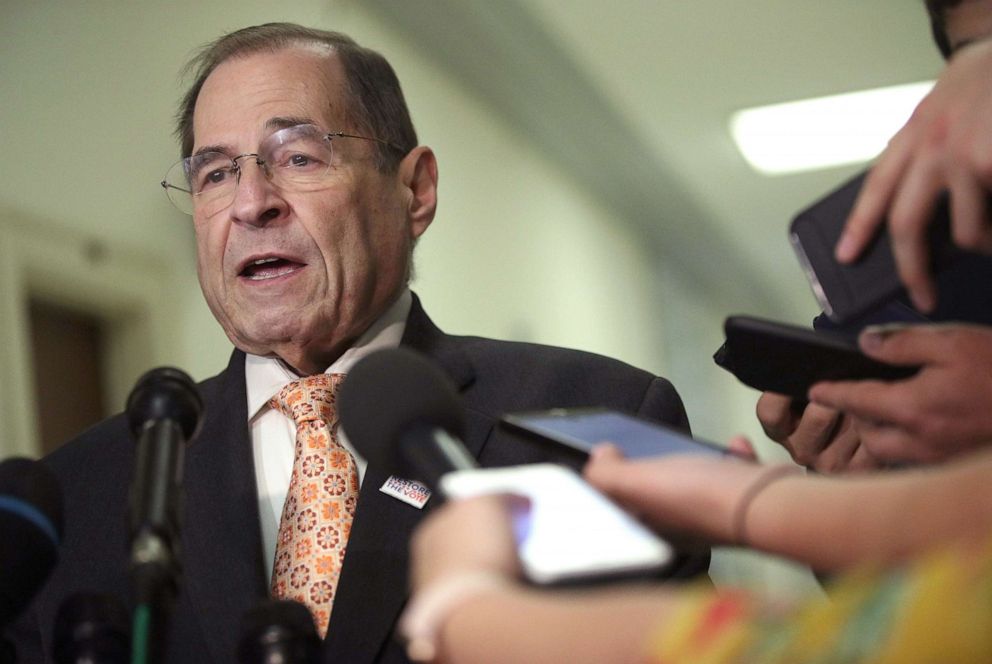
x=264, y=260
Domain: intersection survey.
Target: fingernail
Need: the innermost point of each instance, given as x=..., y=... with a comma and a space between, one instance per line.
x=924, y=302
x=599, y=450
x=871, y=338
x=845, y=248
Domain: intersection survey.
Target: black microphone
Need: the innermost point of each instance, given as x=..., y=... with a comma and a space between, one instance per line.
x=278, y=632
x=30, y=532
x=164, y=411
x=403, y=415
x=92, y=628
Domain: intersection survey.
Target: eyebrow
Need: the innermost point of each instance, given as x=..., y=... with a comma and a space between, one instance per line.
x=276, y=123
x=282, y=122
x=223, y=149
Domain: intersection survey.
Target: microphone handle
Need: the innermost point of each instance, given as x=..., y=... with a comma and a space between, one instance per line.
x=156, y=497
x=156, y=491
x=91, y=628
x=278, y=631
x=431, y=452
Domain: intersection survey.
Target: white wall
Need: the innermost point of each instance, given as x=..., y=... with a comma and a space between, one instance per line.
x=517, y=250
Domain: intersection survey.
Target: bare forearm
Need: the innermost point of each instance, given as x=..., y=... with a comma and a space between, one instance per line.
x=517, y=624
x=832, y=523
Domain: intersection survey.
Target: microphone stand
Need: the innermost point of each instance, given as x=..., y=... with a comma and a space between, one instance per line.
x=165, y=411
x=155, y=566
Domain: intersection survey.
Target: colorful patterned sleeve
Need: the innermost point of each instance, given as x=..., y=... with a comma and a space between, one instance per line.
x=936, y=610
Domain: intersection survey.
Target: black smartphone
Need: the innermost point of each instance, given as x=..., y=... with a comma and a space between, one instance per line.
x=845, y=292
x=788, y=359
x=583, y=428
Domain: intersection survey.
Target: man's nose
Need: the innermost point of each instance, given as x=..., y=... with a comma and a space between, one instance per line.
x=256, y=200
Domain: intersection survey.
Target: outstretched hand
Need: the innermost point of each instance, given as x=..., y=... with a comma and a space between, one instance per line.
x=816, y=436
x=688, y=494
x=945, y=145
x=471, y=535
x=943, y=410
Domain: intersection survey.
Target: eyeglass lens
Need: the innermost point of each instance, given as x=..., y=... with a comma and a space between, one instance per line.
x=294, y=159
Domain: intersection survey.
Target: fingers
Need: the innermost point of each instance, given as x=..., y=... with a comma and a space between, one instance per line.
x=972, y=228
x=927, y=345
x=815, y=433
x=905, y=344
x=440, y=546
x=605, y=468
x=946, y=145
x=776, y=415
x=863, y=460
x=909, y=217
x=742, y=447
x=869, y=211
x=839, y=455
x=891, y=444
x=606, y=451
x=872, y=400
x=806, y=435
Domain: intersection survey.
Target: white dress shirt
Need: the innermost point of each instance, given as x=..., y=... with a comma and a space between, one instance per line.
x=273, y=435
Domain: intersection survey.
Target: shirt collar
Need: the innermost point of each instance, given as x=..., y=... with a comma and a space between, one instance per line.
x=265, y=376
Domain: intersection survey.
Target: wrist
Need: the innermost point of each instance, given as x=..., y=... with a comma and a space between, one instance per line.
x=431, y=607
x=767, y=477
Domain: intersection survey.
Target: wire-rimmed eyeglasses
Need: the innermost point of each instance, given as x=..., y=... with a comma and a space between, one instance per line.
x=296, y=158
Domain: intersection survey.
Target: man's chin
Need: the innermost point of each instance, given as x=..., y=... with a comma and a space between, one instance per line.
x=297, y=352
x=266, y=342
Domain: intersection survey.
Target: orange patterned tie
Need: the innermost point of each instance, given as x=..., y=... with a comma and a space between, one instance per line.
x=320, y=503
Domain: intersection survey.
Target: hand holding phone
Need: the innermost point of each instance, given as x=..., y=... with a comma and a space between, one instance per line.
x=846, y=291
x=571, y=533
x=786, y=359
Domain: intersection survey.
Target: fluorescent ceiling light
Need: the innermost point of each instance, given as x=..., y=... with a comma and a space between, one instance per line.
x=827, y=131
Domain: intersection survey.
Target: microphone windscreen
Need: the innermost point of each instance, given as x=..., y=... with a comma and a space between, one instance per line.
x=278, y=631
x=30, y=532
x=390, y=393
x=92, y=627
x=165, y=393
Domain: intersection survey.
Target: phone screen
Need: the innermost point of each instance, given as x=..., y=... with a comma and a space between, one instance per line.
x=583, y=429
x=571, y=532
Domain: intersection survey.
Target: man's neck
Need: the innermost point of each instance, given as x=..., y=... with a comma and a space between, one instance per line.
x=385, y=331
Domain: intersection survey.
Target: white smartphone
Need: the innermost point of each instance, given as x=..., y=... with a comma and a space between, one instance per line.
x=572, y=532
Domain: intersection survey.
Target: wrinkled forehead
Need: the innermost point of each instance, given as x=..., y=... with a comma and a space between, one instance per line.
x=969, y=21
x=241, y=97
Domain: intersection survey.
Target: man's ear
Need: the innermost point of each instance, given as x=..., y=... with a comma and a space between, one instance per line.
x=418, y=176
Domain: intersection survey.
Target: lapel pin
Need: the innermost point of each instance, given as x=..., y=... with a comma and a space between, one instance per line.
x=410, y=492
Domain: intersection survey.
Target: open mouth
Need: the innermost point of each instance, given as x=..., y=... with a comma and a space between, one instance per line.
x=270, y=267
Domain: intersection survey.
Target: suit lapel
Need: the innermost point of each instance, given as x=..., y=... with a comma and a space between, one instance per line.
x=224, y=573
x=372, y=588
x=424, y=337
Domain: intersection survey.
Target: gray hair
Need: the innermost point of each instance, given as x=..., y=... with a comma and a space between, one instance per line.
x=375, y=105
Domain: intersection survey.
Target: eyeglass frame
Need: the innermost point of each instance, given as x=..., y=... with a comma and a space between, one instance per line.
x=327, y=136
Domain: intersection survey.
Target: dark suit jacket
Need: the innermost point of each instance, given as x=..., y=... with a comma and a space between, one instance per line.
x=223, y=573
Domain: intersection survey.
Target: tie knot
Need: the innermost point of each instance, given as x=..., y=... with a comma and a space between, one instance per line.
x=310, y=398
